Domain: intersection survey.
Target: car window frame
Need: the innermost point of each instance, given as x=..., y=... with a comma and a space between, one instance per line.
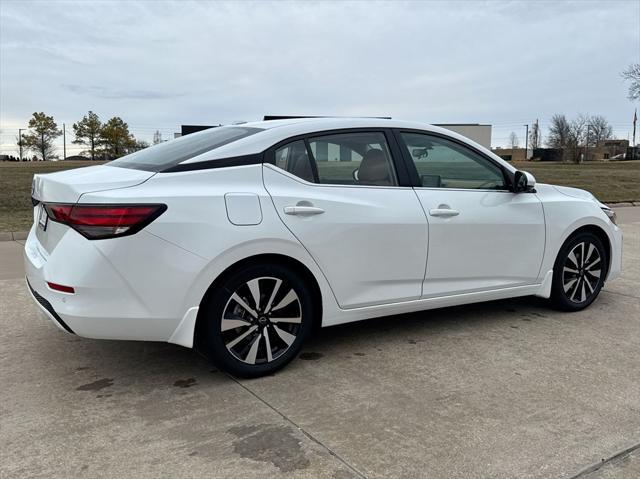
x=413, y=170
x=399, y=165
x=314, y=168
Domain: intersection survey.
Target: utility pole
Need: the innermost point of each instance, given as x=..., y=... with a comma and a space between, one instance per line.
x=20, y=130
x=64, y=142
x=526, y=143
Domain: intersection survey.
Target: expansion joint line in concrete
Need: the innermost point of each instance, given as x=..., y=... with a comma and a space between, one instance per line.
x=302, y=430
x=604, y=462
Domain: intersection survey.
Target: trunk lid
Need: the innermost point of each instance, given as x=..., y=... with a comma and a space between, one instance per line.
x=67, y=186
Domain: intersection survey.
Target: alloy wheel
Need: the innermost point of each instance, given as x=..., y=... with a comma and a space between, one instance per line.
x=581, y=272
x=261, y=320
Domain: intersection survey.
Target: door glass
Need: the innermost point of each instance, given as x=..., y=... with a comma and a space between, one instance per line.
x=442, y=163
x=354, y=159
x=294, y=159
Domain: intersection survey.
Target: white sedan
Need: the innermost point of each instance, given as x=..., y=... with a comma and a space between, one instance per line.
x=240, y=240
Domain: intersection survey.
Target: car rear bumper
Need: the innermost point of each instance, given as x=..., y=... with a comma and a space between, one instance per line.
x=47, y=310
x=110, y=300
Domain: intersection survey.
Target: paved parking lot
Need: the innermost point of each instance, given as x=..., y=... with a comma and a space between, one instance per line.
x=501, y=389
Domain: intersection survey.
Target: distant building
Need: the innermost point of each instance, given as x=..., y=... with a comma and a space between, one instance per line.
x=608, y=149
x=510, y=154
x=188, y=129
x=603, y=150
x=474, y=131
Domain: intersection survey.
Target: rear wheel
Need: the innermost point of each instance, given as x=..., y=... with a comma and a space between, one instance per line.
x=257, y=320
x=579, y=272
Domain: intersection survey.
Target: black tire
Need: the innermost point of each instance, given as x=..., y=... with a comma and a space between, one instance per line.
x=579, y=272
x=248, y=356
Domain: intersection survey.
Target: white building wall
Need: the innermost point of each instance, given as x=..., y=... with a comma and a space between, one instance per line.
x=479, y=133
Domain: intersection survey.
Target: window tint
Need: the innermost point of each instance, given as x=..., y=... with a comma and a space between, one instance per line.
x=443, y=163
x=353, y=159
x=165, y=155
x=294, y=159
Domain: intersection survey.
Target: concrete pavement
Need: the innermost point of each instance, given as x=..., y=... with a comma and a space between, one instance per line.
x=502, y=389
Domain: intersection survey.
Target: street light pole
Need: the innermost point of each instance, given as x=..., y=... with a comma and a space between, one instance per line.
x=526, y=143
x=64, y=142
x=20, y=130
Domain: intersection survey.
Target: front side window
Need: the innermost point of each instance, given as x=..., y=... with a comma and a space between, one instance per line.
x=361, y=158
x=442, y=163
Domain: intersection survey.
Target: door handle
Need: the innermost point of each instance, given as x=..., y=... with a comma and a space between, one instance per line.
x=302, y=210
x=444, y=212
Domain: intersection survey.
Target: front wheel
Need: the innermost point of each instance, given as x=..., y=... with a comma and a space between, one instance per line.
x=579, y=272
x=257, y=321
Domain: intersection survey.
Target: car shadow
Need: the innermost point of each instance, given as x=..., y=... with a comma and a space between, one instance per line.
x=154, y=358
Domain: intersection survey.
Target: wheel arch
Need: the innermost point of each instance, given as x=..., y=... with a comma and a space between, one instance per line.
x=255, y=260
x=597, y=231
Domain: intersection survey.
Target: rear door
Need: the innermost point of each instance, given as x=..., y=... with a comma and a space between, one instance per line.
x=482, y=236
x=341, y=196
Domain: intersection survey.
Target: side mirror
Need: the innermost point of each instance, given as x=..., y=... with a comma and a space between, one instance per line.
x=523, y=181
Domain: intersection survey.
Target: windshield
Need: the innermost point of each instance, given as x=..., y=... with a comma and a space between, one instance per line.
x=171, y=153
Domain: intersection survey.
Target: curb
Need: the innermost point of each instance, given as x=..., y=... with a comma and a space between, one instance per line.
x=13, y=235
x=622, y=204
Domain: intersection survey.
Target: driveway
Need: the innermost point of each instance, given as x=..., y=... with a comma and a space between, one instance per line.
x=501, y=389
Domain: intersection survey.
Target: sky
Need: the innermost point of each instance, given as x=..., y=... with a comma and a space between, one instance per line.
x=160, y=64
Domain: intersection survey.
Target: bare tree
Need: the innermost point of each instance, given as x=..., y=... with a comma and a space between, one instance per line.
x=535, y=137
x=599, y=130
x=578, y=128
x=632, y=75
x=559, y=130
x=157, y=137
x=513, y=140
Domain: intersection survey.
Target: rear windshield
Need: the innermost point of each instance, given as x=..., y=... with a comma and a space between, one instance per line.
x=171, y=153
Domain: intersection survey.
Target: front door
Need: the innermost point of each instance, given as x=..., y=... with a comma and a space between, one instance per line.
x=481, y=235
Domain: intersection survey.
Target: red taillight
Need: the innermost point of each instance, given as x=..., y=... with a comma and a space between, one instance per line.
x=104, y=221
x=60, y=287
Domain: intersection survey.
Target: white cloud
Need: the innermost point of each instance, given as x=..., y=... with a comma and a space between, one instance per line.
x=160, y=64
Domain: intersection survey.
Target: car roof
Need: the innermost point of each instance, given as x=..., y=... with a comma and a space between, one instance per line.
x=275, y=131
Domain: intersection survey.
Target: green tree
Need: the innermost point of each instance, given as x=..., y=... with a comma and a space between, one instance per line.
x=139, y=145
x=116, y=139
x=87, y=132
x=42, y=135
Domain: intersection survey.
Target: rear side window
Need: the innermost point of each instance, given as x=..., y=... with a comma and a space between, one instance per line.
x=359, y=158
x=295, y=159
x=165, y=155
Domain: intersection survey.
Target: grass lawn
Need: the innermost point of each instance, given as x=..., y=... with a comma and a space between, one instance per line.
x=609, y=181
x=16, y=211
